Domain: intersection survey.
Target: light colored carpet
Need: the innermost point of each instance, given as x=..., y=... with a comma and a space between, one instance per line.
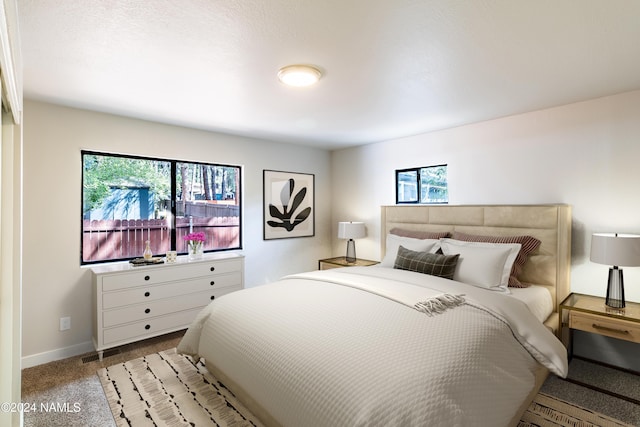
x=607, y=378
x=167, y=389
x=74, y=382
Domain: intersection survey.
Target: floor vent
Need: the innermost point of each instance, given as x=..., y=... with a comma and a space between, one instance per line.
x=107, y=353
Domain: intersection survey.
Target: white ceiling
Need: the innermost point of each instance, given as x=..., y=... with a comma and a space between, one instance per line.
x=392, y=68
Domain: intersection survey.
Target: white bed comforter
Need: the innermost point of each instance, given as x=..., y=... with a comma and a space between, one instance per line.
x=345, y=347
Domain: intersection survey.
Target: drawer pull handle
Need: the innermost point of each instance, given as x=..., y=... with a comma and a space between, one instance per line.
x=213, y=297
x=147, y=311
x=605, y=328
x=147, y=277
x=146, y=294
x=147, y=327
x=212, y=283
x=212, y=268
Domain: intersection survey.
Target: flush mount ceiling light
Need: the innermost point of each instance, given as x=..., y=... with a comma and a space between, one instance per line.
x=299, y=75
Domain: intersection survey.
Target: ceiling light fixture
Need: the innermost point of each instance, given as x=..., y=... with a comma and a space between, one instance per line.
x=299, y=75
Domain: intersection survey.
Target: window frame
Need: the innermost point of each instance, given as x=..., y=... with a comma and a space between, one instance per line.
x=173, y=244
x=418, y=184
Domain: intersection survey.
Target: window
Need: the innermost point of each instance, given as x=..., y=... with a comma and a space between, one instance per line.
x=128, y=200
x=422, y=185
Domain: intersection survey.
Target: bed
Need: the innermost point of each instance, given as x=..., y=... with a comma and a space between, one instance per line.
x=386, y=346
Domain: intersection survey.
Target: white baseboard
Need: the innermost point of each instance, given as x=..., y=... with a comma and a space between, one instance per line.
x=57, y=354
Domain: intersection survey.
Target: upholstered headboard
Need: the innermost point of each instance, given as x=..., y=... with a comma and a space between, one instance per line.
x=548, y=266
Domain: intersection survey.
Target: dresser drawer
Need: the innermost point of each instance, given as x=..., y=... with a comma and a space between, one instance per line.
x=152, y=293
x=151, y=309
x=168, y=273
x=611, y=327
x=150, y=328
x=135, y=303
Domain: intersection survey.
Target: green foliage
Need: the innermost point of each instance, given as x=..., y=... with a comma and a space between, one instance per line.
x=436, y=175
x=205, y=181
x=103, y=172
x=434, y=187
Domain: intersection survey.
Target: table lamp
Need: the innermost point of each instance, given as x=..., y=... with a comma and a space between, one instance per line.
x=616, y=250
x=351, y=230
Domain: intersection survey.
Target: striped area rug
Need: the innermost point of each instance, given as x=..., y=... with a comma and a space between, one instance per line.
x=548, y=411
x=167, y=389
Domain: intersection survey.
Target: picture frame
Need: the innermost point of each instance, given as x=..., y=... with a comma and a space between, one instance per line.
x=288, y=204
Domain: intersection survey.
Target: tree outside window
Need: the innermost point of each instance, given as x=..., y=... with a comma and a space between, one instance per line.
x=423, y=185
x=128, y=200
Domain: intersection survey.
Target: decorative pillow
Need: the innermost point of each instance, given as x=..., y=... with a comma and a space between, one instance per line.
x=529, y=245
x=426, y=262
x=394, y=242
x=415, y=234
x=486, y=265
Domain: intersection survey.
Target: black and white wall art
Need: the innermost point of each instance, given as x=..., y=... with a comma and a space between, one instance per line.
x=289, y=209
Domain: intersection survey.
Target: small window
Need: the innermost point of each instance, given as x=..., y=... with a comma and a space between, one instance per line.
x=129, y=200
x=423, y=185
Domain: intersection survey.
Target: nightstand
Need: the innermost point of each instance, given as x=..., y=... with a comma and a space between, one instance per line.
x=340, y=261
x=590, y=314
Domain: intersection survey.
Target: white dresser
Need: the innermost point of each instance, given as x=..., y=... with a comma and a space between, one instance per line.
x=134, y=303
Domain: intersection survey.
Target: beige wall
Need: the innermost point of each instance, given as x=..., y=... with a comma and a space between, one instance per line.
x=54, y=284
x=584, y=154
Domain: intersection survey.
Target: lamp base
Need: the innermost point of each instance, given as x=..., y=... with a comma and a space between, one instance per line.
x=351, y=251
x=615, y=288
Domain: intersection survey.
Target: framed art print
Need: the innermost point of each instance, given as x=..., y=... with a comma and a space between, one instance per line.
x=289, y=209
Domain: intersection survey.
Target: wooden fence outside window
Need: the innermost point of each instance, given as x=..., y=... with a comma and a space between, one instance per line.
x=118, y=239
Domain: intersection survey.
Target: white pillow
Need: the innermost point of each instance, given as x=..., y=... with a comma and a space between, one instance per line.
x=486, y=265
x=418, y=245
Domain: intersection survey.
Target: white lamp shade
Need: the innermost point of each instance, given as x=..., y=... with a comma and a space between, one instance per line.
x=622, y=250
x=351, y=230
